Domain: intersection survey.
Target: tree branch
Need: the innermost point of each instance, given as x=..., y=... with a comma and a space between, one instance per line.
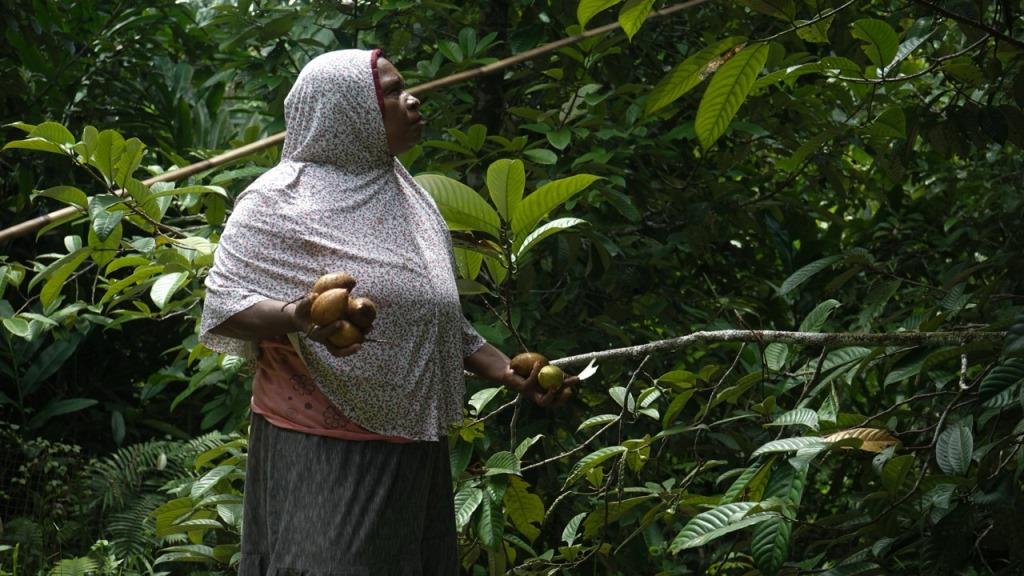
x=972, y=23
x=830, y=339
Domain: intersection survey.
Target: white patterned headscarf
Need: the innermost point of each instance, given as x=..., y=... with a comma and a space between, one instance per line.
x=339, y=201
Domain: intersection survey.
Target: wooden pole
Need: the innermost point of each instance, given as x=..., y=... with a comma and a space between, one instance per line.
x=34, y=224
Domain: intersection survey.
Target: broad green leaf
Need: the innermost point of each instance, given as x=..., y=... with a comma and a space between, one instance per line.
x=16, y=326
x=191, y=190
x=23, y=126
x=572, y=528
x=129, y=161
x=816, y=33
x=587, y=9
x=737, y=488
x=895, y=471
x=59, y=407
x=466, y=502
x=882, y=41
x=891, y=123
x=104, y=250
x=919, y=33
x=707, y=526
x=799, y=416
x=506, y=181
x=602, y=516
x=599, y=420
x=502, y=463
x=53, y=132
x=805, y=273
x=775, y=355
x=165, y=287
x=541, y=156
x=68, y=195
x=104, y=222
x=784, y=10
x=728, y=89
x=482, y=398
x=460, y=205
x=526, y=443
x=109, y=148
x=788, y=445
x=542, y=232
x=491, y=524
x=954, y=450
x=205, y=483
x=525, y=509
x=545, y=199
x=688, y=74
x=1002, y=377
x=36, y=144
x=769, y=544
x=49, y=361
x=56, y=281
x=591, y=460
x=816, y=319
x=559, y=138
x=632, y=15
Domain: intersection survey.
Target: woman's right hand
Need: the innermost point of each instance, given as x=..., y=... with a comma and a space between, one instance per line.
x=320, y=334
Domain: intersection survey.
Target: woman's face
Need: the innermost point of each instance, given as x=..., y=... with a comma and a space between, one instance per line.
x=403, y=122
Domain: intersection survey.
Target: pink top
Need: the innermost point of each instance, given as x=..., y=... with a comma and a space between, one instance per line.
x=283, y=392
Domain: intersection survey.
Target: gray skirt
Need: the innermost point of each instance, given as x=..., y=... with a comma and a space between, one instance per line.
x=319, y=506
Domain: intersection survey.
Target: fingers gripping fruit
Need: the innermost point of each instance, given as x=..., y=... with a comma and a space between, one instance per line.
x=523, y=363
x=332, y=302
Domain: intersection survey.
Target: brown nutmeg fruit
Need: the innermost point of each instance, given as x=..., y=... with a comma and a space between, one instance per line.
x=335, y=280
x=329, y=307
x=523, y=363
x=347, y=335
x=362, y=312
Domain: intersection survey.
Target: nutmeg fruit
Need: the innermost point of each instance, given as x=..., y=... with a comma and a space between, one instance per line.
x=522, y=364
x=347, y=335
x=335, y=280
x=550, y=377
x=362, y=312
x=329, y=306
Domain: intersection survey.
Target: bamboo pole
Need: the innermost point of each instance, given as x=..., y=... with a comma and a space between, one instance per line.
x=29, y=226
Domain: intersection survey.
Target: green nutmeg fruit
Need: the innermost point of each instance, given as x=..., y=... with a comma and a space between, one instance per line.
x=551, y=377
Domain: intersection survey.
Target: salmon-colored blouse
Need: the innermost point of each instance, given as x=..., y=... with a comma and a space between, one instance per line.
x=283, y=392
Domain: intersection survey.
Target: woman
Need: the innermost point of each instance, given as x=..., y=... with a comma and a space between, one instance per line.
x=348, y=469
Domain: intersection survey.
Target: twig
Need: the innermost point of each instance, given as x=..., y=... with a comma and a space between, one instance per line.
x=972, y=23
x=830, y=339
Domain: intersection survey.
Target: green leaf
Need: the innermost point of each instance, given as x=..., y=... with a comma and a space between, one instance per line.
x=816, y=33
x=599, y=420
x=737, y=488
x=109, y=148
x=55, y=283
x=105, y=250
x=16, y=326
x=526, y=443
x=587, y=9
x=799, y=416
x=954, y=450
x=591, y=460
x=728, y=89
x=769, y=544
x=1002, y=377
x=68, y=195
x=36, y=144
x=165, y=287
x=788, y=445
x=466, y=502
x=545, y=199
x=541, y=156
x=53, y=132
x=502, y=463
x=775, y=355
x=206, y=483
x=919, y=33
x=895, y=471
x=805, y=273
x=81, y=566
x=633, y=14
x=707, y=526
x=816, y=319
x=506, y=181
x=688, y=74
x=491, y=524
x=190, y=190
x=482, y=398
x=58, y=407
x=525, y=509
x=103, y=222
x=460, y=205
x=559, y=138
x=784, y=10
x=542, y=232
x=572, y=527
x=891, y=123
x=882, y=41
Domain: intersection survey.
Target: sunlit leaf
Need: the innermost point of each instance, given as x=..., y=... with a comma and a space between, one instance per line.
x=728, y=89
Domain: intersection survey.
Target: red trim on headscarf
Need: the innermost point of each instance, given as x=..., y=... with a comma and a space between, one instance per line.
x=376, y=80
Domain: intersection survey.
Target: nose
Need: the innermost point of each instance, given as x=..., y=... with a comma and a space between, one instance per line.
x=412, y=102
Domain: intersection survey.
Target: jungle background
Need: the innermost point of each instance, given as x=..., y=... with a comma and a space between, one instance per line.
x=815, y=165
